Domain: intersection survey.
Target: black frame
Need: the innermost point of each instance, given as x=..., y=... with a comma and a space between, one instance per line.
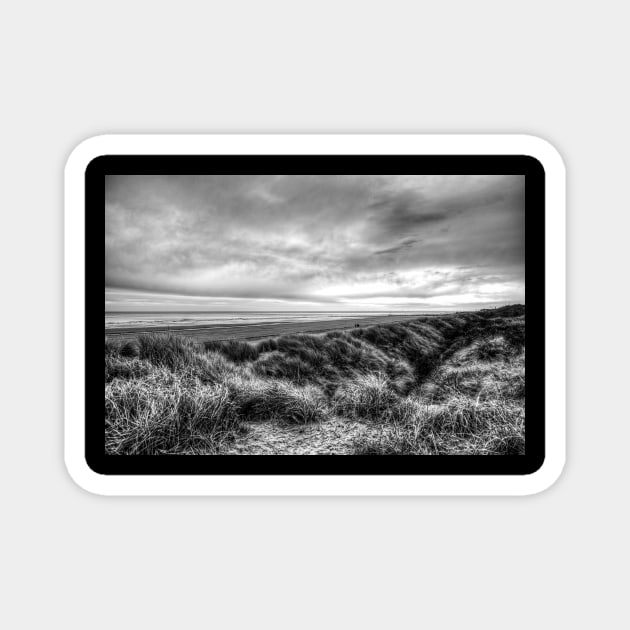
x=534, y=173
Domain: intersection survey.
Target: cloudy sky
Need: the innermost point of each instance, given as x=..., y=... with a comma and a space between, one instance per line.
x=313, y=242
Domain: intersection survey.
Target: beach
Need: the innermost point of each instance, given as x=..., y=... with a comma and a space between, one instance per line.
x=257, y=330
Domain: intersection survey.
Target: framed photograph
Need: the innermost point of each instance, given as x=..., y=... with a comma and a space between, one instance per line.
x=315, y=314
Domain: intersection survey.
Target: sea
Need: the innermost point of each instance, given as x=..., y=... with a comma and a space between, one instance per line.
x=117, y=319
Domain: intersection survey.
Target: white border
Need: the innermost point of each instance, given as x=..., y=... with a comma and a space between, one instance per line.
x=314, y=144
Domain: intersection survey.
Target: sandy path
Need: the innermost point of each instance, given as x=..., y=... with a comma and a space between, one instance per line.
x=332, y=437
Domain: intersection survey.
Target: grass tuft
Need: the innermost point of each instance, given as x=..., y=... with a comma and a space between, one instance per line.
x=370, y=396
x=234, y=349
x=149, y=417
x=258, y=399
x=171, y=351
x=124, y=368
x=129, y=349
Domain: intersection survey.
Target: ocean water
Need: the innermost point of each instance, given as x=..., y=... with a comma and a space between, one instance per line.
x=146, y=319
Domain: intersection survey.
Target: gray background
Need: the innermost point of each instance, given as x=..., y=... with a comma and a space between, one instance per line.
x=72, y=70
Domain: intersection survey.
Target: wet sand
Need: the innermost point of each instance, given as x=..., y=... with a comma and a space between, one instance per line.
x=255, y=331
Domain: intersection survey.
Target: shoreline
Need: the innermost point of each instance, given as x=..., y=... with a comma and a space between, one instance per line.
x=260, y=330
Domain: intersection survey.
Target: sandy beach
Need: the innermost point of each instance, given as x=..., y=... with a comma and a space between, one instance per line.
x=255, y=331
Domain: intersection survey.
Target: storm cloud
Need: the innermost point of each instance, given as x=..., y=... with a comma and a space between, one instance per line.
x=333, y=242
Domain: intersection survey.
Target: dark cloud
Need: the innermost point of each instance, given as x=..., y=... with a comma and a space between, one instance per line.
x=317, y=239
x=401, y=247
x=396, y=214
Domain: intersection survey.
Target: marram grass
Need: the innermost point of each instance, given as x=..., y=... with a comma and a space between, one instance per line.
x=437, y=386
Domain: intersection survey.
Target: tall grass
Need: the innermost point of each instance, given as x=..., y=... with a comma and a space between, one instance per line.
x=472, y=403
x=174, y=396
x=460, y=426
x=234, y=349
x=162, y=414
x=419, y=344
x=434, y=386
x=259, y=399
x=184, y=356
x=117, y=366
x=368, y=396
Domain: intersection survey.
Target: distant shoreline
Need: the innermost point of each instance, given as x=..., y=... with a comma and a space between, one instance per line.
x=375, y=313
x=259, y=330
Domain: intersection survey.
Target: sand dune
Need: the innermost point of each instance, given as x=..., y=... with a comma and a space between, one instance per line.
x=447, y=385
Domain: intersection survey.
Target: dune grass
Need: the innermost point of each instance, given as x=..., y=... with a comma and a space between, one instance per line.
x=163, y=414
x=473, y=402
x=258, y=399
x=461, y=426
x=447, y=385
x=234, y=349
x=369, y=396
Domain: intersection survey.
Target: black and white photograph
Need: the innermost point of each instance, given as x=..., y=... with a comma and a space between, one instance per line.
x=315, y=315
